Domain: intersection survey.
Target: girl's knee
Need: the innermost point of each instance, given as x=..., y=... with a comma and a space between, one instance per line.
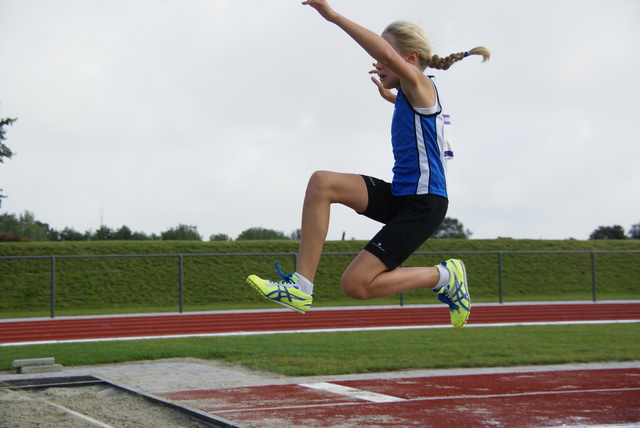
x=321, y=186
x=318, y=180
x=354, y=288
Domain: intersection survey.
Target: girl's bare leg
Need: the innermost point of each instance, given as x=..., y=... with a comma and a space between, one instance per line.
x=325, y=188
x=367, y=278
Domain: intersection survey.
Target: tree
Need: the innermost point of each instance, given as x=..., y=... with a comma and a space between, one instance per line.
x=9, y=225
x=138, y=236
x=70, y=234
x=219, y=237
x=123, y=234
x=259, y=233
x=181, y=233
x=608, y=232
x=32, y=229
x=24, y=228
x=5, y=152
x=452, y=228
x=104, y=233
x=634, y=232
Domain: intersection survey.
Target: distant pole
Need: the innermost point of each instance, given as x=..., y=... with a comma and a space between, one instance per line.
x=594, y=288
x=52, y=291
x=500, y=291
x=180, y=283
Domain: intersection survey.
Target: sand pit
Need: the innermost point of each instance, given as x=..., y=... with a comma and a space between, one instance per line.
x=86, y=406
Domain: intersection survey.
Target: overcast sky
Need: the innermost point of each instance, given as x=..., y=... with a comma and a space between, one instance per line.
x=214, y=113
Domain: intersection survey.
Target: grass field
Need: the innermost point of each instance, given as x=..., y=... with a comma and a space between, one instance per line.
x=362, y=352
x=214, y=273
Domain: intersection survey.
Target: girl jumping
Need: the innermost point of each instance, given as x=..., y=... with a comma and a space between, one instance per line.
x=411, y=207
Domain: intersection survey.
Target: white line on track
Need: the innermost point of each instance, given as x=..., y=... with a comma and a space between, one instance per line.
x=327, y=330
x=451, y=397
x=600, y=426
x=352, y=392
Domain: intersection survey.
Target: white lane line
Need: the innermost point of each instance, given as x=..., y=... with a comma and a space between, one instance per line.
x=352, y=392
x=438, y=398
x=601, y=426
x=323, y=330
x=277, y=409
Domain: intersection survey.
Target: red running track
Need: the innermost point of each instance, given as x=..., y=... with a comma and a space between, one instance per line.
x=276, y=320
x=529, y=399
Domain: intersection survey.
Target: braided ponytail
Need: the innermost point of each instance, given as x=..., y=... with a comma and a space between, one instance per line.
x=444, y=63
x=410, y=37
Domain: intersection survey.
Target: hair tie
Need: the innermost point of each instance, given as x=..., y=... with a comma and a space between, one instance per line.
x=466, y=54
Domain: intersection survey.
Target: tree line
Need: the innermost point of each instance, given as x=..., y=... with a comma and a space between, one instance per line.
x=616, y=232
x=25, y=227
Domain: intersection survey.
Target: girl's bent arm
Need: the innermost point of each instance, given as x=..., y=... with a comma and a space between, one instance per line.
x=384, y=93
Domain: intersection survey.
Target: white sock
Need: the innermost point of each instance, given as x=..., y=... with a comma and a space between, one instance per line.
x=445, y=276
x=305, y=285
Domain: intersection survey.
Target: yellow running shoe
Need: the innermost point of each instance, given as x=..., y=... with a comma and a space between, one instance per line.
x=456, y=293
x=285, y=292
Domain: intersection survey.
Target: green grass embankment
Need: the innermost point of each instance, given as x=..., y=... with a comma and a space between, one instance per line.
x=364, y=352
x=142, y=284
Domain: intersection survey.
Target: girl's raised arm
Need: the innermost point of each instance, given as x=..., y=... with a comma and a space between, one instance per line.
x=371, y=42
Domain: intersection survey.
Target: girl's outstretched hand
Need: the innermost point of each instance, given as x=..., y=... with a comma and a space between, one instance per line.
x=322, y=7
x=387, y=94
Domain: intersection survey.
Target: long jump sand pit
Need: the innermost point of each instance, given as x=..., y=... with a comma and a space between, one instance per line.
x=99, y=405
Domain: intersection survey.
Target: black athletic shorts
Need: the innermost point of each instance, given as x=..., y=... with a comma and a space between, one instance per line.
x=409, y=221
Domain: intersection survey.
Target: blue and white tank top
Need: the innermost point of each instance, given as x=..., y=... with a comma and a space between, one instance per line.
x=419, y=147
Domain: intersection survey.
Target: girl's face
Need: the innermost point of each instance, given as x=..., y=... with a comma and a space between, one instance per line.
x=387, y=77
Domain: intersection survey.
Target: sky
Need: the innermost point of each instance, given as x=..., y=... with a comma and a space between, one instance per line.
x=214, y=113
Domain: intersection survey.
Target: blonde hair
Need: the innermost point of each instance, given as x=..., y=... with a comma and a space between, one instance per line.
x=410, y=37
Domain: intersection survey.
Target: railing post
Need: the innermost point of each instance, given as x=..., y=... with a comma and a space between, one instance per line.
x=401, y=294
x=500, y=296
x=295, y=262
x=594, y=291
x=180, y=263
x=52, y=302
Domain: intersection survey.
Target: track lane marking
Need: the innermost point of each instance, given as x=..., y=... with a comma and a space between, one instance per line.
x=352, y=392
x=412, y=400
x=325, y=330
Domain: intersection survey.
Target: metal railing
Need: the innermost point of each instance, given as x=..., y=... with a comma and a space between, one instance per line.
x=181, y=257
